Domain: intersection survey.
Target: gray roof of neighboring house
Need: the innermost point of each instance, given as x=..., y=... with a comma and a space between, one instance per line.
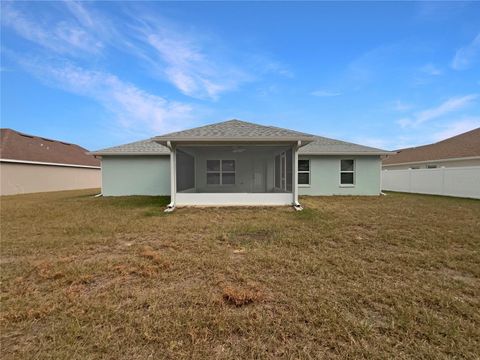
x=235, y=130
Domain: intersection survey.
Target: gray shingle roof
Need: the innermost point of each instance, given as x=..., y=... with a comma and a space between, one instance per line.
x=143, y=147
x=235, y=130
x=322, y=145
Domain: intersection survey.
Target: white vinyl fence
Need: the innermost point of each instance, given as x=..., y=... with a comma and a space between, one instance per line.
x=454, y=181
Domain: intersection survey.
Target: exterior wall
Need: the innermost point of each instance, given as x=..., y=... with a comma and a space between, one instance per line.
x=135, y=175
x=325, y=176
x=17, y=178
x=454, y=181
x=150, y=175
x=447, y=164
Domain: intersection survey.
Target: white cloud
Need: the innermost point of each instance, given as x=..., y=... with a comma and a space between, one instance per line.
x=466, y=56
x=431, y=70
x=448, y=106
x=62, y=37
x=457, y=127
x=325, y=93
x=186, y=62
x=401, y=106
x=196, y=63
x=133, y=108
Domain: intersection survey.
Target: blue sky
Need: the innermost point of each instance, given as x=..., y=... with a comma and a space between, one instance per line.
x=391, y=74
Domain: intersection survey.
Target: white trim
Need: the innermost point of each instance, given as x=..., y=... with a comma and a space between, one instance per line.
x=248, y=139
x=48, y=163
x=432, y=160
x=349, y=153
x=128, y=153
x=233, y=199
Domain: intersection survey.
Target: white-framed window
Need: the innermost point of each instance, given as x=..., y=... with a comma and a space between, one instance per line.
x=347, y=172
x=303, y=172
x=220, y=172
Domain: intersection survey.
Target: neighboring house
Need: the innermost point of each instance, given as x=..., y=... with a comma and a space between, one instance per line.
x=458, y=151
x=240, y=163
x=34, y=164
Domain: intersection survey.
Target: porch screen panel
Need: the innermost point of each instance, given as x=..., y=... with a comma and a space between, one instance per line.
x=185, y=171
x=289, y=169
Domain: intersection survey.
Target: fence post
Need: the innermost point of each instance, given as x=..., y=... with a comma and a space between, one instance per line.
x=409, y=180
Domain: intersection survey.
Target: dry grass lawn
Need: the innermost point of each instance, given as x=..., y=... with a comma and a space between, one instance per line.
x=350, y=277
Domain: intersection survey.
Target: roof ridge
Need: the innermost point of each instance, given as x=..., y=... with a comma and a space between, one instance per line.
x=21, y=133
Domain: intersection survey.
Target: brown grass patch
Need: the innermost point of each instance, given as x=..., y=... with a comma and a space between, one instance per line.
x=240, y=296
x=347, y=278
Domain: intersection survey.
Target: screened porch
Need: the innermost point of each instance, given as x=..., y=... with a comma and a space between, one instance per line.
x=234, y=174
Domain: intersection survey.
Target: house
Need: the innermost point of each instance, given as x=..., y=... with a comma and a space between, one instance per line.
x=239, y=163
x=30, y=164
x=458, y=151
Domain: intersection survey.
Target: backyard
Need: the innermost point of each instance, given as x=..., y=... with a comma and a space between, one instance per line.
x=348, y=277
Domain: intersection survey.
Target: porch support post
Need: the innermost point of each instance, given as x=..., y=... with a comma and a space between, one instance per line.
x=173, y=176
x=295, y=172
x=173, y=173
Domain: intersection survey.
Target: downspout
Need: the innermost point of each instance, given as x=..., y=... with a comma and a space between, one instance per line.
x=173, y=182
x=296, y=204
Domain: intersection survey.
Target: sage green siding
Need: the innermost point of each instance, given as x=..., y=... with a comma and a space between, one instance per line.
x=150, y=175
x=325, y=176
x=135, y=175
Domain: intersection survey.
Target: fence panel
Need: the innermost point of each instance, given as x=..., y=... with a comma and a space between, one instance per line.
x=455, y=181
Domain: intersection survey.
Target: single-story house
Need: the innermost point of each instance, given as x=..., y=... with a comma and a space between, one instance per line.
x=31, y=164
x=459, y=151
x=239, y=163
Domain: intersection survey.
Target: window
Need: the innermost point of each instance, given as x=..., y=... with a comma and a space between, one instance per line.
x=303, y=172
x=347, y=172
x=415, y=167
x=220, y=172
x=430, y=166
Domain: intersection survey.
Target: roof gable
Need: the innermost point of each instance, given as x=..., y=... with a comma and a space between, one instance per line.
x=245, y=131
x=235, y=130
x=15, y=145
x=460, y=146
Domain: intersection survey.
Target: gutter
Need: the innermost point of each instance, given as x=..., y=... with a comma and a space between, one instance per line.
x=48, y=163
x=347, y=153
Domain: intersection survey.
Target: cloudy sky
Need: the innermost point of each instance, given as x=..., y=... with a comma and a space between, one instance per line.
x=390, y=75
